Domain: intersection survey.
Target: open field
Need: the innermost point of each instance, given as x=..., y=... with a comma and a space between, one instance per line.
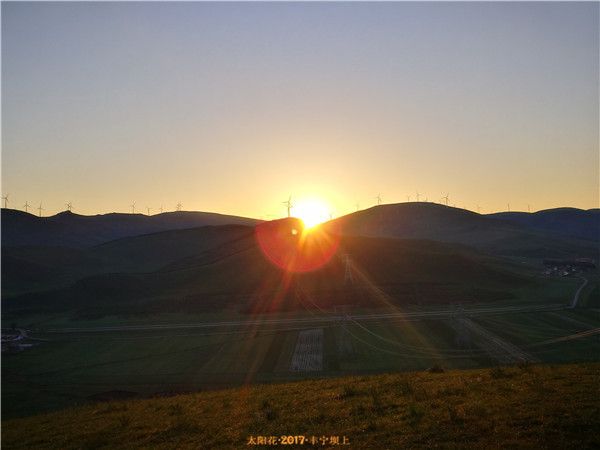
x=535, y=406
x=536, y=332
x=69, y=366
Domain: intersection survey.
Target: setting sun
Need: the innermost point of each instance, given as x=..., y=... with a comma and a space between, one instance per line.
x=311, y=211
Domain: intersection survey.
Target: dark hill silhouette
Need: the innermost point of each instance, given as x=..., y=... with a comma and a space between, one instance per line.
x=236, y=274
x=48, y=267
x=495, y=235
x=572, y=222
x=67, y=229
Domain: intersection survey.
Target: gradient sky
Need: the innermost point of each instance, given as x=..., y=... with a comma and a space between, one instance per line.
x=230, y=107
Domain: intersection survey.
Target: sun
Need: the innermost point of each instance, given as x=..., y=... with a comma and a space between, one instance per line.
x=311, y=211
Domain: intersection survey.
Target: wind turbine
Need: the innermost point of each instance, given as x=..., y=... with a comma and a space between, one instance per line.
x=40, y=209
x=179, y=206
x=132, y=208
x=528, y=208
x=508, y=207
x=446, y=199
x=161, y=209
x=288, y=204
x=148, y=209
x=5, y=198
x=378, y=199
x=69, y=206
x=26, y=205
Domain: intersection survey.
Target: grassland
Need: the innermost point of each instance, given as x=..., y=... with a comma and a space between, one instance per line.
x=516, y=407
x=70, y=368
x=590, y=295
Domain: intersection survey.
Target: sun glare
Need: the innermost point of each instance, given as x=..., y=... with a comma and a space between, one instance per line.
x=311, y=211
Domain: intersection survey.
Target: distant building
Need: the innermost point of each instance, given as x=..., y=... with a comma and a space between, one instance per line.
x=580, y=264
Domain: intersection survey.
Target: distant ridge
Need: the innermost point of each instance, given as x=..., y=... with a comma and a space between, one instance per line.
x=68, y=229
x=497, y=234
x=573, y=222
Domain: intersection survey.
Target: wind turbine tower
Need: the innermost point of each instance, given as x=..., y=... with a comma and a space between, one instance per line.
x=179, y=206
x=348, y=279
x=148, y=209
x=378, y=199
x=69, y=206
x=26, y=206
x=5, y=199
x=132, y=208
x=40, y=209
x=445, y=198
x=288, y=204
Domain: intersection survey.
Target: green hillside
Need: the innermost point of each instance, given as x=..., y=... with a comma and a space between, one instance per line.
x=36, y=268
x=536, y=406
x=225, y=268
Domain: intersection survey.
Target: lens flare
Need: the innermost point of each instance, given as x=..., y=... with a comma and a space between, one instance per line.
x=290, y=245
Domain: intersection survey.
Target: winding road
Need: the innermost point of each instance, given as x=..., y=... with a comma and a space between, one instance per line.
x=576, y=296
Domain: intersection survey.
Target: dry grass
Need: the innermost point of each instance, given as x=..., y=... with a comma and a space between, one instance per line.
x=514, y=407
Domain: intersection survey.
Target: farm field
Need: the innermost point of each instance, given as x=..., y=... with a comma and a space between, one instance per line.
x=554, y=337
x=548, y=290
x=71, y=368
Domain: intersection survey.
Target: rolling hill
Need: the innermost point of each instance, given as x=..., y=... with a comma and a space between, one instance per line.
x=67, y=229
x=35, y=268
x=215, y=268
x=570, y=222
x=492, y=234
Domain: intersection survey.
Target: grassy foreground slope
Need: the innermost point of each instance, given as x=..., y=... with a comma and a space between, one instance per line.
x=529, y=407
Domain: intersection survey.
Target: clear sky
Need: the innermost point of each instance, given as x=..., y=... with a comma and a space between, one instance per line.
x=231, y=107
